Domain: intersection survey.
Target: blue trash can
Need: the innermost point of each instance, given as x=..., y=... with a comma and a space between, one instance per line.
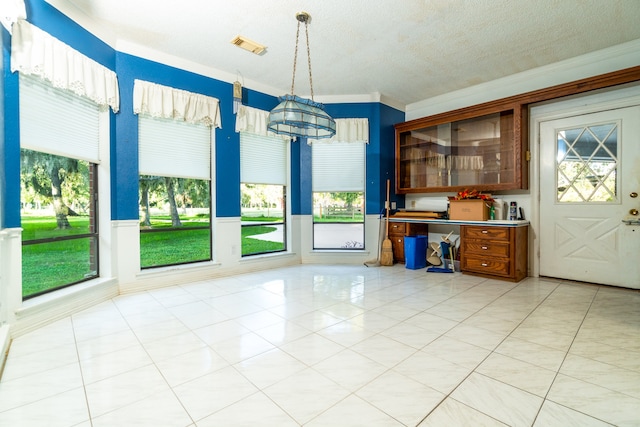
x=415, y=252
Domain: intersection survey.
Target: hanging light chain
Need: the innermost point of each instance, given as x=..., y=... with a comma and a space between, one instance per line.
x=306, y=29
x=302, y=17
x=295, y=59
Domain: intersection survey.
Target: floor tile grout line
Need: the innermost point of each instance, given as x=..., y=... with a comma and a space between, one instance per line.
x=585, y=317
x=153, y=362
x=84, y=385
x=564, y=358
x=449, y=395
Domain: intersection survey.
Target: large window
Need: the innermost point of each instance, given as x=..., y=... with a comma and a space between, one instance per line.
x=59, y=222
x=175, y=140
x=263, y=175
x=175, y=192
x=338, y=170
x=59, y=136
x=263, y=214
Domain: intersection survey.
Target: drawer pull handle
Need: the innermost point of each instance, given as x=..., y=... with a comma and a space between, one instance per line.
x=484, y=248
x=484, y=264
x=484, y=231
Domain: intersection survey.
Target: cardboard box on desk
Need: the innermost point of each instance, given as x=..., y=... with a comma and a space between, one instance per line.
x=469, y=210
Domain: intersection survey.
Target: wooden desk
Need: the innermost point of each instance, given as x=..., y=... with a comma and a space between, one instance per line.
x=493, y=249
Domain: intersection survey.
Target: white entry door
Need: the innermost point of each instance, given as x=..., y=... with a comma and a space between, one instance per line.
x=589, y=197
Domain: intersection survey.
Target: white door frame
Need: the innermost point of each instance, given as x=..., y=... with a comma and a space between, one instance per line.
x=604, y=99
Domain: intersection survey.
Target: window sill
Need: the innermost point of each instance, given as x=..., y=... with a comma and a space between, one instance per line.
x=354, y=252
x=44, y=309
x=260, y=257
x=161, y=271
x=72, y=291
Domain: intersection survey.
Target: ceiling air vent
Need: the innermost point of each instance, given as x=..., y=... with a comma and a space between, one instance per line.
x=249, y=45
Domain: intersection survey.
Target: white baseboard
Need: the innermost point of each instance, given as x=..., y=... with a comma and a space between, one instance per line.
x=48, y=308
x=5, y=341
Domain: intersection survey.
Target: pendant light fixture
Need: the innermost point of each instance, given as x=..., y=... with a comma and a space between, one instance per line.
x=295, y=116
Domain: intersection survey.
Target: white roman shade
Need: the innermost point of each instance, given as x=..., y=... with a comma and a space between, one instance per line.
x=263, y=159
x=263, y=155
x=338, y=166
x=56, y=121
x=169, y=103
x=347, y=130
x=36, y=52
x=338, y=163
x=174, y=148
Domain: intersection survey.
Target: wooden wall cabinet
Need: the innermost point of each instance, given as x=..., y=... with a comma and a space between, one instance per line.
x=484, y=148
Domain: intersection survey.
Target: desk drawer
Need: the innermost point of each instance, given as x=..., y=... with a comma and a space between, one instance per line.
x=486, y=265
x=397, y=228
x=479, y=232
x=486, y=248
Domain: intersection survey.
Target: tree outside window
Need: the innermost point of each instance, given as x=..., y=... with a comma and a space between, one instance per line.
x=175, y=221
x=59, y=221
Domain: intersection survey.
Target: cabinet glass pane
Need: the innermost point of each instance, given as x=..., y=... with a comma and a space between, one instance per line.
x=466, y=153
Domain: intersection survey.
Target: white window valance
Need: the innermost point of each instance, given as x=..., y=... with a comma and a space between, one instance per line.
x=254, y=120
x=36, y=52
x=170, y=103
x=347, y=130
x=12, y=10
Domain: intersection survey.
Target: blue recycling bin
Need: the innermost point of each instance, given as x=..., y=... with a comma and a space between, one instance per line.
x=415, y=252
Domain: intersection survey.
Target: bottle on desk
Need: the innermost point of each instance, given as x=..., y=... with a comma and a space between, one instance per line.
x=513, y=211
x=498, y=206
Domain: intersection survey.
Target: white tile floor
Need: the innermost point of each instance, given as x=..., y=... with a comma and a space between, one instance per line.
x=336, y=346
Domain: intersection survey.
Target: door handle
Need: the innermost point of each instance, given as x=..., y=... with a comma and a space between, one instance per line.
x=631, y=221
x=634, y=212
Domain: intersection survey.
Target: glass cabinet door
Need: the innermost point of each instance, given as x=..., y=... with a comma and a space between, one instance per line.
x=478, y=152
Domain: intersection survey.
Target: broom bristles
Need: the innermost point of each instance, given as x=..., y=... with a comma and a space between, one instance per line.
x=386, y=256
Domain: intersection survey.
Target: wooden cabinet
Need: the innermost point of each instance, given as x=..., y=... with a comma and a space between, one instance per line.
x=482, y=147
x=397, y=233
x=497, y=252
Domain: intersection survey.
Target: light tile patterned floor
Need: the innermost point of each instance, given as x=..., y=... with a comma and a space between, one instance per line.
x=336, y=346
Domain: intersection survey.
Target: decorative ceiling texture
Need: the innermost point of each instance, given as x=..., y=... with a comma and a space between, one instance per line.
x=407, y=50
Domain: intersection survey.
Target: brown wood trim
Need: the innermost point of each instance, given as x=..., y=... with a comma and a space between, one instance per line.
x=601, y=81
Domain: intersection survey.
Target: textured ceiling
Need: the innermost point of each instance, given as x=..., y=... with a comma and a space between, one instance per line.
x=407, y=50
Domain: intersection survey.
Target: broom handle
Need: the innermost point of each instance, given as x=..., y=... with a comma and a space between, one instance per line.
x=387, y=207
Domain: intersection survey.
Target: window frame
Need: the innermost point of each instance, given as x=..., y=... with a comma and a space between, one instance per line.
x=262, y=224
x=254, y=149
x=146, y=121
x=93, y=235
x=325, y=166
x=84, y=139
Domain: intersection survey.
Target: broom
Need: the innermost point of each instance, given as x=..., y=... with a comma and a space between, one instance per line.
x=386, y=257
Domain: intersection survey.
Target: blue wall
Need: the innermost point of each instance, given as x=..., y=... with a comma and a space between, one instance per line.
x=49, y=19
x=380, y=154
x=10, y=142
x=124, y=128
x=3, y=182
x=227, y=142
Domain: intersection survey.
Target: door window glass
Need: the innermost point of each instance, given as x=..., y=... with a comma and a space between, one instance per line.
x=587, y=163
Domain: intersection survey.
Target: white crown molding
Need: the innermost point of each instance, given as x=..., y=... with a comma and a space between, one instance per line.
x=603, y=61
x=186, y=65
x=76, y=15
x=360, y=99
x=123, y=46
